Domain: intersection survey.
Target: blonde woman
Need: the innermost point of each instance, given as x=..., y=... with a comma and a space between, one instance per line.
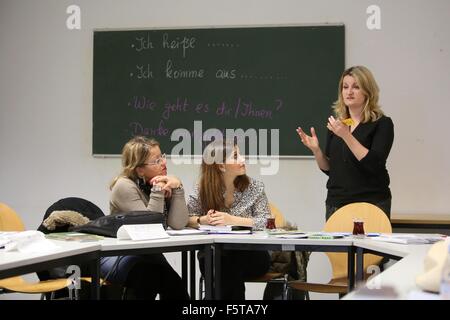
x=225, y=195
x=144, y=185
x=358, y=143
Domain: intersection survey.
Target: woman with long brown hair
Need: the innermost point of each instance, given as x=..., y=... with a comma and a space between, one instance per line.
x=225, y=195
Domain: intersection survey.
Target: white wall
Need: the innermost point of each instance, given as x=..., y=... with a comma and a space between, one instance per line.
x=46, y=98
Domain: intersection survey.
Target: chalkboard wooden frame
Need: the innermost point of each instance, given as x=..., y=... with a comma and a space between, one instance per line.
x=272, y=74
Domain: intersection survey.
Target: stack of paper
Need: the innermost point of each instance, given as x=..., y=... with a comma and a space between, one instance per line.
x=286, y=234
x=406, y=238
x=142, y=232
x=292, y=236
x=225, y=229
x=326, y=235
x=185, y=232
x=29, y=241
x=275, y=232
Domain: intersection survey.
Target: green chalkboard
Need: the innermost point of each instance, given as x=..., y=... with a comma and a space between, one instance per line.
x=263, y=80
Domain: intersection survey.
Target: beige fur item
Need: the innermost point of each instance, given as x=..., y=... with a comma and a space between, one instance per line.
x=430, y=279
x=64, y=217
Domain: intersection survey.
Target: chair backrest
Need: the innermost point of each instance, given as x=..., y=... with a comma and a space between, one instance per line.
x=280, y=221
x=9, y=219
x=80, y=205
x=375, y=220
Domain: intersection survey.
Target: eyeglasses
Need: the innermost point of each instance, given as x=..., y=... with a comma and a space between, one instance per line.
x=157, y=161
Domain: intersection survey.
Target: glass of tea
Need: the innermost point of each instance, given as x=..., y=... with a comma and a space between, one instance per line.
x=270, y=224
x=358, y=228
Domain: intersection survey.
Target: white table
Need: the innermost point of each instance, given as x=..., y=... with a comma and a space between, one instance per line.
x=14, y=263
x=261, y=241
x=255, y=241
x=183, y=244
x=401, y=276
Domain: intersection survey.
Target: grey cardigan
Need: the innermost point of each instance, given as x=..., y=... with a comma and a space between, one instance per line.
x=126, y=196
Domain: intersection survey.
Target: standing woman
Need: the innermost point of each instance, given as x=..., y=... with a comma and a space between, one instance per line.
x=225, y=195
x=358, y=143
x=144, y=185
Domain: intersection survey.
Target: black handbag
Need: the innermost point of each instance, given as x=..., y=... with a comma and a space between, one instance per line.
x=108, y=225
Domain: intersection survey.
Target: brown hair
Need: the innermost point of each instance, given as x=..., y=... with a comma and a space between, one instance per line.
x=372, y=110
x=134, y=154
x=211, y=186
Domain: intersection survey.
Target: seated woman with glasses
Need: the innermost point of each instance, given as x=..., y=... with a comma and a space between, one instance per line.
x=143, y=185
x=227, y=196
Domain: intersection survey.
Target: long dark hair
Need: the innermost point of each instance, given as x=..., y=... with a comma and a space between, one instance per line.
x=212, y=186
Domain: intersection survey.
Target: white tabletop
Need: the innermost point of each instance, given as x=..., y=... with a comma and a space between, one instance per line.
x=263, y=238
x=401, y=276
x=14, y=259
x=395, y=249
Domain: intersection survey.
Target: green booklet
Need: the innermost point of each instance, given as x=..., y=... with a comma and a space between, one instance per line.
x=73, y=236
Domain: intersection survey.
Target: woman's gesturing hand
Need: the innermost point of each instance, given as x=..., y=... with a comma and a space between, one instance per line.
x=337, y=127
x=311, y=142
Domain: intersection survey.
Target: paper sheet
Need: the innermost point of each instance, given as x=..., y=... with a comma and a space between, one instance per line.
x=142, y=232
x=29, y=241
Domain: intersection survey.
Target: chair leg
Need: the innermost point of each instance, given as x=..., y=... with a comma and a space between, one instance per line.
x=284, y=295
x=52, y=295
x=201, y=289
x=290, y=294
x=124, y=293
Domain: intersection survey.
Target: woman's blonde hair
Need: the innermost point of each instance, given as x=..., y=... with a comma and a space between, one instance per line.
x=372, y=110
x=134, y=154
x=211, y=185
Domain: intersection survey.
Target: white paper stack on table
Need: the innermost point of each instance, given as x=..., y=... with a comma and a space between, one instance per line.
x=30, y=241
x=407, y=238
x=225, y=229
x=142, y=232
x=287, y=234
x=185, y=232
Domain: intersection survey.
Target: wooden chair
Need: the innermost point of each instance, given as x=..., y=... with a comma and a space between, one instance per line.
x=274, y=277
x=10, y=221
x=375, y=220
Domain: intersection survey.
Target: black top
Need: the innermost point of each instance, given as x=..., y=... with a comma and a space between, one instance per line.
x=366, y=180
